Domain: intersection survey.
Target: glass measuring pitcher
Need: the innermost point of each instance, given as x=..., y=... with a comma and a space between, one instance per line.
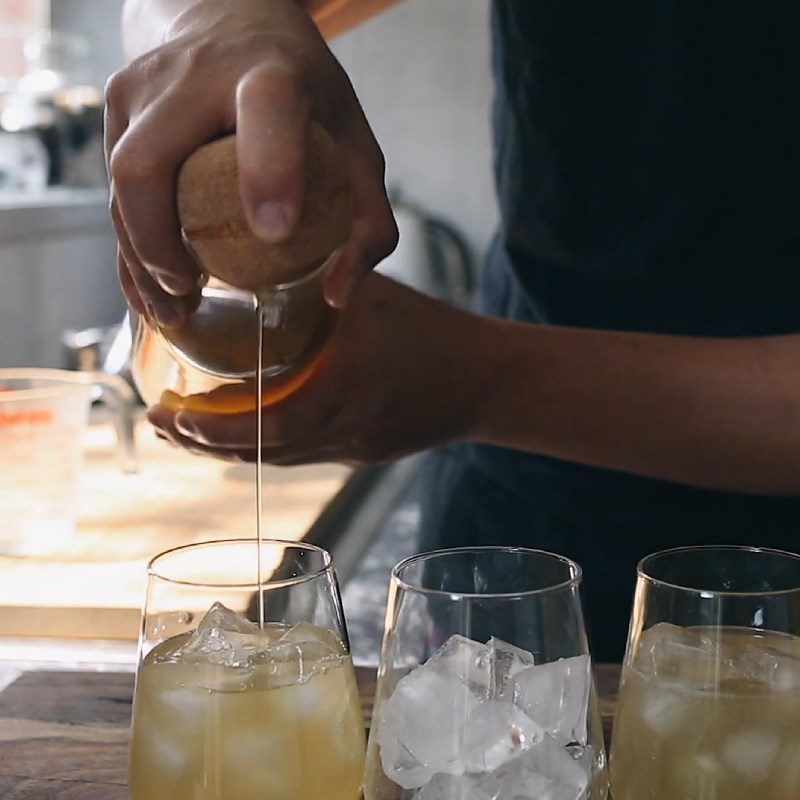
x=43, y=416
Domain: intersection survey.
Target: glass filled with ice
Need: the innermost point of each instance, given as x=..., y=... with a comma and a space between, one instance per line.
x=227, y=709
x=709, y=704
x=485, y=689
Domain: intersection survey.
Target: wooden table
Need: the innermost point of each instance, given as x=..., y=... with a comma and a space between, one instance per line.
x=64, y=735
x=94, y=586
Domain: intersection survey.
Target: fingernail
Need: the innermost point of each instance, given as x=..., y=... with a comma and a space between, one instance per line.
x=175, y=285
x=167, y=312
x=338, y=290
x=186, y=426
x=271, y=221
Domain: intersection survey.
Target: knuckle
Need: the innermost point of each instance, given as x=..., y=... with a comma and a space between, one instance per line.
x=150, y=252
x=116, y=89
x=276, y=63
x=203, y=54
x=391, y=235
x=132, y=160
x=386, y=236
x=276, y=56
x=124, y=82
x=380, y=164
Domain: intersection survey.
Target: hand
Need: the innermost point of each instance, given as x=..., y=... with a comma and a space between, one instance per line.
x=401, y=373
x=260, y=68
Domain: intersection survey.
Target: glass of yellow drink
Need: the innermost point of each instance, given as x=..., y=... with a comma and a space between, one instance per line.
x=709, y=705
x=226, y=709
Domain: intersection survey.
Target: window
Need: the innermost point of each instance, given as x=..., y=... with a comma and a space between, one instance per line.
x=16, y=18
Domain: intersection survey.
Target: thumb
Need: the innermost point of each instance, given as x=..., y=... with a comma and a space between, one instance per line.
x=272, y=122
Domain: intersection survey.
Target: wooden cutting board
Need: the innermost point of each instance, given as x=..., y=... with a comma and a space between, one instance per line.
x=95, y=585
x=64, y=735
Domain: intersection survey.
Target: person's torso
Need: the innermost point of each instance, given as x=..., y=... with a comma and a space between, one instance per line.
x=648, y=179
x=646, y=165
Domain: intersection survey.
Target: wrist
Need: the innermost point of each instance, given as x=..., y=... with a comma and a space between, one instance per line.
x=202, y=15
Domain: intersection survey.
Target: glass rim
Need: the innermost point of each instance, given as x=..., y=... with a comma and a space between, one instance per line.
x=60, y=382
x=308, y=277
x=328, y=568
x=279, y=288
x=642, y=574
x=572, y=582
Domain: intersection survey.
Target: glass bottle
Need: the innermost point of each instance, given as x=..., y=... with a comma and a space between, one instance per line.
x=210, y=363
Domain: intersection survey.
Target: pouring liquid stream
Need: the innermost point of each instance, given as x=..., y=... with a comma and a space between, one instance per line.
x=259, y=468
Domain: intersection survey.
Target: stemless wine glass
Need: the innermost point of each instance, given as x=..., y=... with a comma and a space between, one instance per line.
x=226, y=710
x=485, y=687
x=709, y=704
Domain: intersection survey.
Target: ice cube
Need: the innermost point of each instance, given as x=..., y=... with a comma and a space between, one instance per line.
x=751, y=754
x=187, y=706
x=451, y=787
x=685, y=655
x=693, y=774
x=506, y=662
x=314, y=639
x=253, y=755
x=545, y=772
x=556, y=697
x=663, y=711
x=301, y=697
x=487, y=669
x=776, y=665
x=468, y=661
x=224, y=638
x=496, y=733
x=426, y=715
x=310, y=649
x=513, y=781
x=219, y=617
x=787, y=772
x=158, y=746
x=568, y=778
x=400, y=766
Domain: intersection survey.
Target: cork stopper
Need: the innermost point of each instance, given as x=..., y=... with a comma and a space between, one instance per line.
x=215, y=227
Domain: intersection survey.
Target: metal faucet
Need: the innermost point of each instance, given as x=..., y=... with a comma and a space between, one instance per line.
x=105, y=353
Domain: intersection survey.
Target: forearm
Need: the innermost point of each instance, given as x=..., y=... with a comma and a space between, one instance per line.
x=145, y=23
x=715, y=413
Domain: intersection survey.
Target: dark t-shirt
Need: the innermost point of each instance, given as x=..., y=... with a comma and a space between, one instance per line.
x=647, y=174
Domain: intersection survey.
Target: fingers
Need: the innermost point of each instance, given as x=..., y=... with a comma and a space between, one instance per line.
x=373, y=238
x=272, y=108
x=144, y=166
x=129, y=289
x=140, y=289
x=115, y=119
x=277, y=456
x=305, y=419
